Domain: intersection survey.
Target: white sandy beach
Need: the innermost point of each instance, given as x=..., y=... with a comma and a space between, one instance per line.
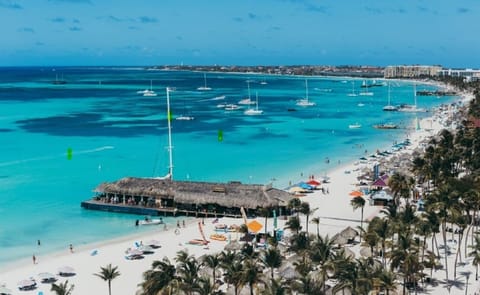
x=334, y=209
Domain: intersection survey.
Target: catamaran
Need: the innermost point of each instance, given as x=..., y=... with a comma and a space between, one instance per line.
x=204, y=87
x=304, y=102
x=248, y=100
x=389, y=107
x=366, y=92
x=412, y=108
x=253, y=112
x=149, y=92
x=353, y=90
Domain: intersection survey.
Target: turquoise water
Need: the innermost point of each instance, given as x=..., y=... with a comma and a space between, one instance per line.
x=114, y=132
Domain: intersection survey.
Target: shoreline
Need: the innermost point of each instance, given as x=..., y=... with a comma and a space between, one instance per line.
x=339, y=186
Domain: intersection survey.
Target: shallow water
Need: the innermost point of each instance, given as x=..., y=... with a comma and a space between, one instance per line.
x=114, y=132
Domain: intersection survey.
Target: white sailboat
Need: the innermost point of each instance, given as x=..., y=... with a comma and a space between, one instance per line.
x=365, y=92
x=255, y=111
x=412, y=108
x=248, y=100
x=389, y=107
x=353, y=90
x=304, y=102
x=149, y=92
x=355, y=126
x=204, y=87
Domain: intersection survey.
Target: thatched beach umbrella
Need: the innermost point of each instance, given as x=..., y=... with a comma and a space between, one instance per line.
x=289, y=273
x=366, y=252
x=349, y=233
x=340, y=240
x=233, y=246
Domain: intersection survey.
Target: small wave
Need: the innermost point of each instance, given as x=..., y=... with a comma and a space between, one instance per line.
x=43, y=158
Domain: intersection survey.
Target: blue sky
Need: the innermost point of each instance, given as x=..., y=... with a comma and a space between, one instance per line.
x=244, y=32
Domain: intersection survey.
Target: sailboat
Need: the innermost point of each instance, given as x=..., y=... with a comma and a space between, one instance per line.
x=248, y=100
x=256, y=111
x=149, y=92
x=365, y=92
x=59, y=82
x=204, y=87
x=353, y=90
x=412, y=108
x=389, y=107
x=304, y=101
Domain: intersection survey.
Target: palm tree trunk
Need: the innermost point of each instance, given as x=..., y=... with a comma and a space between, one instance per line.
x=457, y=255
x=271, y=272
x=109, y=287
x=318, y=228
x=444, y=233
x=361, y=225
x=306, y=225
x=251, y=289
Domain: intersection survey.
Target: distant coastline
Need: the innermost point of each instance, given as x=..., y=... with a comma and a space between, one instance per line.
x=294, y=70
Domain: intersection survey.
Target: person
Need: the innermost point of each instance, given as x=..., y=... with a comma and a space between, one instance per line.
x=178, y=224
x=34, y=259
x=183, y=223
x=71, y=248
x=38, y=242
x=137, y=222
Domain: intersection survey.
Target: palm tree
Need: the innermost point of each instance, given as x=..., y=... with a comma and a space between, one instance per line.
x=212, y=261
x=294, y=204
x=250, y=274
x=316, y=220
x=232, y=276
x=308, y=285
x=160, y=277
x=293, y=224
x=305, y=210
x=62, y=288
x=187, y=269
x=107, y=274
x=276, y=287
x=387, y=281
x=475, y=253
x=359, y=202
x=205, y=287
x=272, y=258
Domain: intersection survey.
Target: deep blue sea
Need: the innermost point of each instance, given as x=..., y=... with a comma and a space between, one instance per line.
x=114, y=132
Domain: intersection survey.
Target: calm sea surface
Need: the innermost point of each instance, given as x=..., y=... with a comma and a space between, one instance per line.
x=114, y=132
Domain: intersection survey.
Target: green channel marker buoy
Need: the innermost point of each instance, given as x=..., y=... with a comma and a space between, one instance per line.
x=69, y=153
x=170, y=116
x=220, y=135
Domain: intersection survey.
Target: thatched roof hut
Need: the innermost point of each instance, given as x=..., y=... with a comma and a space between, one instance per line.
x=231, y=194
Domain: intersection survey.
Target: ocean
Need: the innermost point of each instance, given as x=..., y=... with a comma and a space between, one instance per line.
x=59, y=141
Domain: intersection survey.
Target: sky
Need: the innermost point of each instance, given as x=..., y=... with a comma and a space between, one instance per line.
x=239, y=32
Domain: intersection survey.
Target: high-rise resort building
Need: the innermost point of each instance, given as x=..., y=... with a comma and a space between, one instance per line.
x=469, y=75
x=412, y=71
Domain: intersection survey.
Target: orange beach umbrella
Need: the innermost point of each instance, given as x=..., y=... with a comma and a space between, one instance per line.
x=356, y=194
x=255, y=226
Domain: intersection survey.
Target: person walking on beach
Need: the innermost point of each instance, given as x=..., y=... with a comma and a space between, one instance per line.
x=34, y=259
x=38, y=242
x=71, y=248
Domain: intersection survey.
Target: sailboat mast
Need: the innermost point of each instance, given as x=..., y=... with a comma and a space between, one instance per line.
x=388, y=93
x=306, y=89
x=248, y=86
x=170, y=147
x=205, y=79
x=256, y=94
x=415, y=93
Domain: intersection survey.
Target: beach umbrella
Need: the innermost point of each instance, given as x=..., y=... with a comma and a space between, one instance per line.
x=305, y=186
x=356, y=194
x=46, y=277
x=289, y=273
x=366, y=252
x=296, y=189
x=145, y=249
x=27, y=283
x=134, y=252
x=339, y=239
x=153, y=243
x=5, y=291
x=66, y=270
x=254, y=226
x=233, y=246
x=313, y=182
x=349, y=233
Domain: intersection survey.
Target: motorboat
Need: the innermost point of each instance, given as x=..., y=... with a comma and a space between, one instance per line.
x=385, y=126
x=355, y=126
x=184, y=118
x=231, y=107
x=150, y=221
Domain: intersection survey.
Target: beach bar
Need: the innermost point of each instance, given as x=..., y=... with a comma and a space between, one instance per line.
x=165, y=197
